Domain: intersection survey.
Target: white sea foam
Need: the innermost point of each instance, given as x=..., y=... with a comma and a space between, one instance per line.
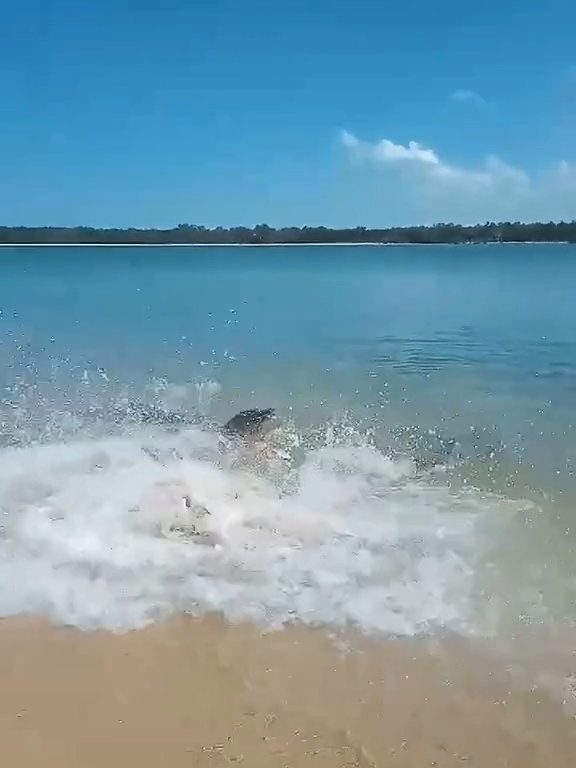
x=347, y=537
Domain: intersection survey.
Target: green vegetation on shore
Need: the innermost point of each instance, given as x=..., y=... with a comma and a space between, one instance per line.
x=191, y=234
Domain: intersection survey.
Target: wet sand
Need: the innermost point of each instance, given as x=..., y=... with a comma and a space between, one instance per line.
x=203, y=693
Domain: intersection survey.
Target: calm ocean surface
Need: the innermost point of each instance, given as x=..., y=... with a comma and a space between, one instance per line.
x=429, y=394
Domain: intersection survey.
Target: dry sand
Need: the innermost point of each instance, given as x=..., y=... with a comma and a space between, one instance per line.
x=203, y=693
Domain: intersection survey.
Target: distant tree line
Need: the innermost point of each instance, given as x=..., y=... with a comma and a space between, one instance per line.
x=184, y=234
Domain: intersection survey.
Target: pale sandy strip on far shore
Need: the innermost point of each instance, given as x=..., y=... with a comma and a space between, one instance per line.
x=201, y=693
x=201, y=245
x=269, y=245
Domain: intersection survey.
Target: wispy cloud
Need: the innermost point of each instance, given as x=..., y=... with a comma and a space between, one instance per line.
x=466, y=96
x=437, y=189
x=426, y=164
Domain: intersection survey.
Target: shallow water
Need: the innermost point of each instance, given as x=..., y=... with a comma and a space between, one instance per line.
x=426, y=396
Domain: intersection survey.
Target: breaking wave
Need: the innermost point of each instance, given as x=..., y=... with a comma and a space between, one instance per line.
x=324, y=529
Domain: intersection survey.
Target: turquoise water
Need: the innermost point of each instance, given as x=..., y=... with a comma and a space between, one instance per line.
x=452, y=337
x=427, y=393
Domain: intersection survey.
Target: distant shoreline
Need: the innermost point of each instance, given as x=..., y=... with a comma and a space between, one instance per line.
x=279, y=245
x=192, y=235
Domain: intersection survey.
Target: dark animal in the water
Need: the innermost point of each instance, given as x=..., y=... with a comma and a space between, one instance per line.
x=431, y=449
x=251, y=423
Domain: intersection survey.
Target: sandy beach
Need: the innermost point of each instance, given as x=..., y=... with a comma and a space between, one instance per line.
x=204, y=693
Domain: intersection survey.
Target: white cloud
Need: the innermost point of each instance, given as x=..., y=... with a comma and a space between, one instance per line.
x=349, y=140
x=426, y=164
x=466, y=96
x=565, y=173
x=387, y=151
x=416, y=183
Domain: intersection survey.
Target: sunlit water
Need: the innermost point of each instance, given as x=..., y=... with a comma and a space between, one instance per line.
x=426, y=396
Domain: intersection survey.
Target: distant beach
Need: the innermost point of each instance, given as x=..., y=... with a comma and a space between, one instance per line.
x=264, y=235
x=276, y=245
x=193, y=245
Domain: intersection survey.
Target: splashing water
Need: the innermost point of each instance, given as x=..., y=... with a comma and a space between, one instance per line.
x=342, y=536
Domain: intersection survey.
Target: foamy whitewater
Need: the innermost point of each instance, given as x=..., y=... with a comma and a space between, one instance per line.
x=347, y=537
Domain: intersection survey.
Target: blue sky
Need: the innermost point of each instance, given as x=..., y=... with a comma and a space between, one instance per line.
x=148, y=113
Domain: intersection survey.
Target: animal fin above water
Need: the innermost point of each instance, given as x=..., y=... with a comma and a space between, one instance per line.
x=250, y=422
